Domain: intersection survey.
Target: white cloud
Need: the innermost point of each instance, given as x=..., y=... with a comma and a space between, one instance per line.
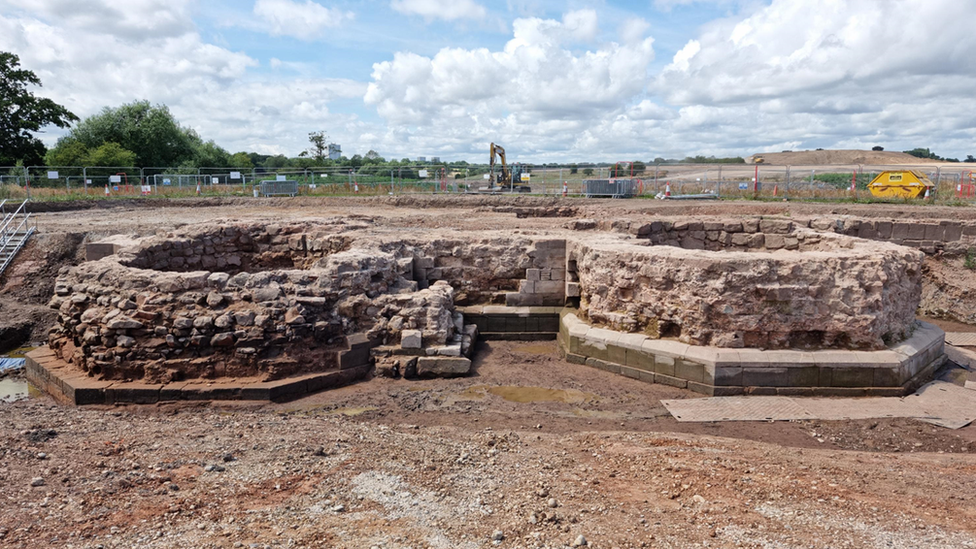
x=791, y=47
x=634, y=30
x=302, y=20
x=449, y=10
x=535, y=93
x=209, y=88
x=136, y=20
x=784, y=75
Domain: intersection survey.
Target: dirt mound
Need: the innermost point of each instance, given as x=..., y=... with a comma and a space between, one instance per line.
x=28, y=284
x=843, y=157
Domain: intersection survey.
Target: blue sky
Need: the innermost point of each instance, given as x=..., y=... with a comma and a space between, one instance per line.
x=552, y=81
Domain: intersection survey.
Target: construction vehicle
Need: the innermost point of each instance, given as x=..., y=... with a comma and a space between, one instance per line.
x=758, y=160
x=508, y=178
x=901, y=184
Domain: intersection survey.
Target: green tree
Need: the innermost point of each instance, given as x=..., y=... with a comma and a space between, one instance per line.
x=587, y=171
x=277, y=161
x=110, y=154
x=210, y=155
x=241, y=160
x=970, y=158
x=923, y=153
x=573, y=168
x=320, y=147
x=67, y=153
x=639, y=167
x=149, y=131
x=22, y=114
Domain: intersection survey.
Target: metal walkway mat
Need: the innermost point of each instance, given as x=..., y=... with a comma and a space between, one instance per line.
x=938, y=402
x=961, y=339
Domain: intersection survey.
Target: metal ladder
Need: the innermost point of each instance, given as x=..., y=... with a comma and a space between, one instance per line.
x=17, y=226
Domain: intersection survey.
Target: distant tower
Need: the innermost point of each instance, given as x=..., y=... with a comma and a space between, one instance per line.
x=335, y=151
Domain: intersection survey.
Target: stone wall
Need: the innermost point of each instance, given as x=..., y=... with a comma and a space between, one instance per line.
x=807, y=290
x=949, y=237
x=271, y=301
x=236, y=248
x=494, y=269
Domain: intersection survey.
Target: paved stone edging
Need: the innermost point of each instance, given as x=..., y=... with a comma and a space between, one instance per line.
x=68, y=385
x=716, y=371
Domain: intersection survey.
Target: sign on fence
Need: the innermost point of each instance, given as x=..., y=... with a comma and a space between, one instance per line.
x=487, y=176
x=167, y=182
x=52, y=175
x=423, y=173
x=526, y=176
x=281, y=178
x=214, y=180
x=146, y=189
x=235, y=175
x=115, y=179
x=743, y=186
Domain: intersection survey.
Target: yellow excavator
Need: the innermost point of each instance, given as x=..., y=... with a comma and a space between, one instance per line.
x=508, y=178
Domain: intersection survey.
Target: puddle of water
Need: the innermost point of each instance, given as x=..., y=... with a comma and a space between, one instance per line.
x=526, y=395
x=350, y=412
x=19, y=353
x=536, y=349
x=12, y=389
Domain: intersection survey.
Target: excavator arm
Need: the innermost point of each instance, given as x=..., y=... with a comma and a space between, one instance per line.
x=504, y=177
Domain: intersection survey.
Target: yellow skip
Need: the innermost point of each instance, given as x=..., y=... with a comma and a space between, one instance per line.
x=900, y=184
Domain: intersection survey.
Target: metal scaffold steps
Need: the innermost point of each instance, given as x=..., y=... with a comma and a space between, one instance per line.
x=15, y=230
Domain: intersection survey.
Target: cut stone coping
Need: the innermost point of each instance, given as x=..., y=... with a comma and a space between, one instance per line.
x=68, y=385
x=524, y=323
x=895, y=371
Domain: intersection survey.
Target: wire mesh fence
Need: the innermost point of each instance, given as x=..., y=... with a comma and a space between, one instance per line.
x=766, y=182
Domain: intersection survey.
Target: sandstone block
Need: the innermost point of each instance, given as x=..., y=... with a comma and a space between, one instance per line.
x=443, y=366
x=776, y=226
x=218, y=281
x=123, y=322
x=411, y=339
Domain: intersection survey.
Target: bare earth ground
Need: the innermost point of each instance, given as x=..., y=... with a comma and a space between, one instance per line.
x=850, y=157
x=533, y=447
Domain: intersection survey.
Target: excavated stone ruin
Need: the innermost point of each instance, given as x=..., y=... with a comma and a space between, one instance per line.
x=273, y=301
x=759, y=284
x=270, y=301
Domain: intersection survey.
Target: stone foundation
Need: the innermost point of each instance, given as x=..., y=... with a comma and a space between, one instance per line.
x=749, y=284
x=894, y=371
x=267, y=302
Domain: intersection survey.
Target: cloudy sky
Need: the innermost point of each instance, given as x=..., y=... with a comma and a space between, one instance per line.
x=551, y=81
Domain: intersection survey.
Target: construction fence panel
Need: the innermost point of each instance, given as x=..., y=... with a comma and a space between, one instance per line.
x=748, y=181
